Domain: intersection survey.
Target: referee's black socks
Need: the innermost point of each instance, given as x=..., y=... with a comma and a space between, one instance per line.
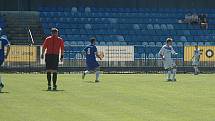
x=49, y=78
x=54, y=78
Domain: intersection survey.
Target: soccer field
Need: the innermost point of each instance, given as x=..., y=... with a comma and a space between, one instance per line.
x=117, y=98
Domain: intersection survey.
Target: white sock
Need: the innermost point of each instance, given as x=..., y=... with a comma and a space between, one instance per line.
x=196, y=69
x=168, y=74
x=97, y=75
x=174, y=73
x=86, y=72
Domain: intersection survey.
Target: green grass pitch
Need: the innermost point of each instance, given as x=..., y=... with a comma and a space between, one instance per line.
x=125, y=97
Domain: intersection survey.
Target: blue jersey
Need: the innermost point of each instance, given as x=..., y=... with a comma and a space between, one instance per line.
x=3, y=42
x=90, y=52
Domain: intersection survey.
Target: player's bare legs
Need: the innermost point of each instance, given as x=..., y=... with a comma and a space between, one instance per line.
x=97, y=72
x=97, y=75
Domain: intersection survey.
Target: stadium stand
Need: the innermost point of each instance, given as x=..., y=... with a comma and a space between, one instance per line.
x=111, y=26
x=126, y=26
x=17, y=25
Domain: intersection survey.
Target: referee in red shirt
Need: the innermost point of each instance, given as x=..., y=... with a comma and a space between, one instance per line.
x=53, y=45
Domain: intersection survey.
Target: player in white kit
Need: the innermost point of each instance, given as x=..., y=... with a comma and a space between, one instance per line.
x=166, y=53
x=195, y=59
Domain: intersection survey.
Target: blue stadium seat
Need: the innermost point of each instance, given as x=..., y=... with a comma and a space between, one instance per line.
x=187, y=44
x=136, y=26
x=193, y=43
x=157, y=26
x=149, y=26
x=200, y=43
x=142, y=55
x=179, y=44
x=163, y=26
x=87, y=9
x=87, y=43
x=102, y=43
x=144, y=43
x=151, y=44
x=151, y=55
x=116, y=43
x=159, y=44
x=74, y=9
x=88, y=26
x=174, y=44
x=137, y=55
x=170, y=26
x=110, y=43
x=73, y=43
x=208, y=44
x=183, y=38
x=80, y=43
x=123, y=43
x=66, y=43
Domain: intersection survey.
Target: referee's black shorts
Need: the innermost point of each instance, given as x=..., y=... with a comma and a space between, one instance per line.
x=52, y=61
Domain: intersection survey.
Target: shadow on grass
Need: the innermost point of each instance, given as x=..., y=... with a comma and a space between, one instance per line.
x=170, y=81
x=4, y=92
x=91, y=82
x=53, y=90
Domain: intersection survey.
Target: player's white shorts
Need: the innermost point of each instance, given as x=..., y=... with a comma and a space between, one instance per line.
x=170, y=63
x=195, y=63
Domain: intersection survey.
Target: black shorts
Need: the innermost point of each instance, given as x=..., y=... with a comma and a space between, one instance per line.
x=52, y=61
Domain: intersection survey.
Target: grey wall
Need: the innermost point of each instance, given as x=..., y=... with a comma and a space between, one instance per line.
x=34, y=4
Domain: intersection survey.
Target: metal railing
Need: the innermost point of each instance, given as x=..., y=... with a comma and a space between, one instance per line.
x=118, y=59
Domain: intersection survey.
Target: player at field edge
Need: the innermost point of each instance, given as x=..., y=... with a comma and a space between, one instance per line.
x=3, y=43
x=54, y=46
x=195, y=59
x=91, y=63
x=166, y=53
